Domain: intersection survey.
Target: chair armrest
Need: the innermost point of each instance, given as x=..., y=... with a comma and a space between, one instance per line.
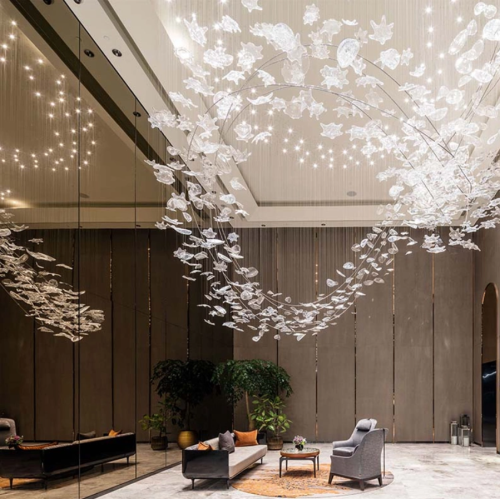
x=200, y=464
x=343, y=444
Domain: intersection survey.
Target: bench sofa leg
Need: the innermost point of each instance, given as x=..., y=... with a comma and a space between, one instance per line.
x=362, y=485
x=262, y=460
x=227, y=484
x=192, y=484
x=128, y=460
x=11, y=481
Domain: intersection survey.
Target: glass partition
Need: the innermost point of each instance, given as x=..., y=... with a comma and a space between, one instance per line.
x=74, y=141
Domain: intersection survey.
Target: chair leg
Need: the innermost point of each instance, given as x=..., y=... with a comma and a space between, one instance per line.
x=262, y=460
x=11, y=480
x=192, y=484
x=380, y=480
x=330, y=478
x=227, y=484
x=362, y=485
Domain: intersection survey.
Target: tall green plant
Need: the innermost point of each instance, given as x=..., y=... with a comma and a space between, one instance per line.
x=242, y=379
x=184, y=385
x=268, y=415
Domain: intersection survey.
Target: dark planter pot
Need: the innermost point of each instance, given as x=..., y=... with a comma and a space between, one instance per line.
x=159, y=443
x=275, y=443
x=186, y=439
x=299, y=447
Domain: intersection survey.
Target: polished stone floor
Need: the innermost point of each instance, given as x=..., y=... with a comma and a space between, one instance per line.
x=97, y=479
x=420, y=470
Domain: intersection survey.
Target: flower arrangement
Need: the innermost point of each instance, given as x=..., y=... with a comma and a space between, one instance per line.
x=13, y=441
x=299, y=442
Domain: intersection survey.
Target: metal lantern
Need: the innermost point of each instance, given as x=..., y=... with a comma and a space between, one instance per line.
x=465, y=420
x=454, y=432
x=465, y=435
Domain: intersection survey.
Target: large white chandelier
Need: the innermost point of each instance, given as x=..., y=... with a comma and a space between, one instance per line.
x=444, y=172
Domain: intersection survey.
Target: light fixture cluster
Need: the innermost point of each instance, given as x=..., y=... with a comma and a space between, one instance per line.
x=441, y=148
x=65, y=113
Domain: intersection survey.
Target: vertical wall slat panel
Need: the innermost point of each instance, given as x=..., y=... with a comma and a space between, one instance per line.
x=123, y=254
x=374, y=353
x=452, y=338
x=54, y=355
x=259, y=248
x=142, y=340
x=413, y=345
x=336, y=370
x=96, y=349
x=16, y=367
x=296, y=258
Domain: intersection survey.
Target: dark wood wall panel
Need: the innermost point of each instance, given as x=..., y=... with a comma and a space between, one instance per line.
x=336, y=360
x=54, y=375
x=374, y=353
x=259, y=248
x=17, y=391
x=123, y=331
x=453, y=338
x=413, y=345
x=143, y=330
x=96, y=353
x=296, y=272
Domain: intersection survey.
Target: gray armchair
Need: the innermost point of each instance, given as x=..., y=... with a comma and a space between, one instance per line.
x=346, y=448
x=363, y=462
x=7, y=428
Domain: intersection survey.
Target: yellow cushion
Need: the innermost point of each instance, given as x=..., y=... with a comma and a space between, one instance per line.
x=204, y=446
x=246, y=438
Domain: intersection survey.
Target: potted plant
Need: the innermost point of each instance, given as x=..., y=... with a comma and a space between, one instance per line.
x=183, y=385
x=268, y=416
x=157, y=422
x=14, y=441
x=245, y=379
x=299, y=442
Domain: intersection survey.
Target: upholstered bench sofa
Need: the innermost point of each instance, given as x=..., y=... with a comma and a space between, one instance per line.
x=64, y=458
x=219, y=464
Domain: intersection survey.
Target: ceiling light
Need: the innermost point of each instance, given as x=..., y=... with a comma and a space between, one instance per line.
x=88, y=53
x=116, y=52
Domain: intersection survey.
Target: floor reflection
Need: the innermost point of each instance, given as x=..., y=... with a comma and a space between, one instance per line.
x=96, y=479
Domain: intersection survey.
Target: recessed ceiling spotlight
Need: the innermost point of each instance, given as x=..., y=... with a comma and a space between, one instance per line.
x=351, y=193
x=48, y=2
x=137, y=114
x=78, y=1
x=116, y=52
x=88, y=53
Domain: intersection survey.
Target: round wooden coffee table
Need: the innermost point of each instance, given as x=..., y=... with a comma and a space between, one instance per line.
x=305, y=454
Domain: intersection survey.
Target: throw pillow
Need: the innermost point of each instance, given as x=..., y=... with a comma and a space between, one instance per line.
x=114, y=433
x=36, y=446
x=364, y=425
x=85, y=435
x=226, y=442
x=246, y=438
x=204, y=446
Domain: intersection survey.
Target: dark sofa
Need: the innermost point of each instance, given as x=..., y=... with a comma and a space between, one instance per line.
x=65, y=458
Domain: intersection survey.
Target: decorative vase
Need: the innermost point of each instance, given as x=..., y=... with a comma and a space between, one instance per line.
x=159, y=443
x=299, y=447
x=275, y=443
x=186, y=439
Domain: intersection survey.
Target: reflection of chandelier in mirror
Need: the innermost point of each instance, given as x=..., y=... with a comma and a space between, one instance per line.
x=38, y=288
x=439, y=147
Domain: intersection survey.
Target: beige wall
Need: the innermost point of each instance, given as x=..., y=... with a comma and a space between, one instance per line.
x=404, y=357
x=486, y=271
